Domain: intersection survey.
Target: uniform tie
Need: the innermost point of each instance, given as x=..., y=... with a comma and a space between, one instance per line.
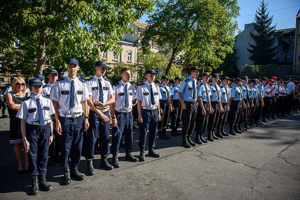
x=226, y=94
x=168, y=94
x=126, y=96
x=72, y=95
x=207, y=97
x=194, y=89
x=152, y=96
x=40, y=111
x=100, y=91
x=217, y=92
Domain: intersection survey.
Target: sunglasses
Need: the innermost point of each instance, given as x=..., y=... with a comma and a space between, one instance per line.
x=18, y=84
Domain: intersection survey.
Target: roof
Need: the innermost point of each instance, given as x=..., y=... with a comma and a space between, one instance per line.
x=285, y=31
x=141, y=25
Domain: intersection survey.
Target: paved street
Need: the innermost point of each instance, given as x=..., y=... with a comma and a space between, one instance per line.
x=262, y=163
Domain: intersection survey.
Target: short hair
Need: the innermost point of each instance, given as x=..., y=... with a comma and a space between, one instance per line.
x=13, y=86
x=124, y=69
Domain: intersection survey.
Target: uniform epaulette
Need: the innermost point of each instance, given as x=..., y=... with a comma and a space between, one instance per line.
x=26, y=98
x=105, y=78
x=186, y=80
x=81, y=78
x=61, y=79
x=116, y=84
x=141, y=84
x=201, y=83
x=89, y=79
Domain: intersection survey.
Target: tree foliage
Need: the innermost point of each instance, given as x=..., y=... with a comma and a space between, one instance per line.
x=262, y=51
x=114, y=73
x=229, y=65
x=197, y=31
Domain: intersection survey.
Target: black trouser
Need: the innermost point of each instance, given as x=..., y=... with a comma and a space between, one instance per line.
x=165, y=107
x=175, y=115
x=189, y=118
x=275, y=103
x=280, y=106
x=236, y=107
x=245, y=113
x=54, y=148
x=202, y=120
x=290, y=102
x=253, y=110
x=214, y=118
x=266, y=108
x=223, y=117
x=258, y=113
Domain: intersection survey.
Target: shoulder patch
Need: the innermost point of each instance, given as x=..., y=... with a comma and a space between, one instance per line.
x=89, y=79
x=201, y=83
x=141, y=84
x=81, y=78
x=105, y=78
x=26, y=98
x=186, y=80
x=116, y=84
x=61, y=79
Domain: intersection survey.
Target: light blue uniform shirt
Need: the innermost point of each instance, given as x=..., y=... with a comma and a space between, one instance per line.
x=255, y=92
x=246, y=90
x=186, y=89
x=165, y=92
x=201, y=90
x=174, y=90
x=225, y=91
x=215, y=89
x=261, y=89
x=236, y=93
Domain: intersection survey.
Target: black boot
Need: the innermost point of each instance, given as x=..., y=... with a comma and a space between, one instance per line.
x=43, y=183
x=190, y=141
x=115, y=161
x=265, y=120
x=161, y=135
x=90, y=167
x=210, y=137
x=237, y=130
x=185, y=143
x=165, y=134
x=35, y=185
x=214, y=136
x=231, y=132
x=223, y=132
x=104, y=164
x=67, y=177
x=130, y=157
x=219, y=135
x=75, y=173
x=241, y=127
x=174, y=133
x=246, y=127
x=202, y=139
x=152, y=153
x=198, y=141
x=142, y=155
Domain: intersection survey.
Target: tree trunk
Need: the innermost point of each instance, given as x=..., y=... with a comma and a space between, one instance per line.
x=171, y=61
x=41, y=53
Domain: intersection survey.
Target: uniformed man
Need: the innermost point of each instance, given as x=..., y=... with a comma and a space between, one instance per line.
x=255, y=100
x=232, y=84
x=261, y=90
x=204, y=108
x=177, y=110
x=69, y=96
x=268, y=100
x=217, y=108
x=248, y=99
x=54, y=148
x=101, y=96
x=148, y=96
x=187, y=94
x=171, y=83
x=275, y=99
x=236, y=104
x=121, y=111
x=225, y=96
x=165, y=106
x=157, y=82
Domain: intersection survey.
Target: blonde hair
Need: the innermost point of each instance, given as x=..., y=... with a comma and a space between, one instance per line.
x=13, y=86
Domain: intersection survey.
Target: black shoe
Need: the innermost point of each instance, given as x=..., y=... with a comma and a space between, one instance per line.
x=90, y=167
x=67, y=177
x=210, y=139
x=51, y=161
x=96, y=151
x=231, y=132
x=214, y=136
x=43, y=183
x=75, y=174
x=238, y=131
x=104, y=164
x=35, y=186
x=152, y=153
x=284, y=116
x=197, y=140
x=162, y=136
x=142, y=155
x=202, y=139
x=130, y=157
x=219, y=135
x=185, y=143
x=210, y=136
x=190, y=141
x=165, y=134
x=115, y=162
x=224, y=133
x=260, y=123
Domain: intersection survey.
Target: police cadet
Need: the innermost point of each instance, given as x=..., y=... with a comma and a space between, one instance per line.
x=275, y=98
x=217, y=108
x=268, y=100
x=225, y=96
x=175, y=102
x=204, y=108
x=148, y=96
x=261, y=89
x=37, y=133
x=54, y=147
x=246, y=112
x=236, y=104
x=101, y=96
x=281, y=94
x=232, y=84
x=165, y=106
x=255, y=100
x=121, y=112
x=69, y=96
x=41, y=77
x=187, y=94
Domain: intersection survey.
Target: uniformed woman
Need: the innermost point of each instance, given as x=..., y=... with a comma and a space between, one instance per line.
x=37, y=133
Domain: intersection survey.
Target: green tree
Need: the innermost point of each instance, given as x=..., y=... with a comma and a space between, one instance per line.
x=262, y=51
x=203, y=29
x=46, y=24
x=229, y=65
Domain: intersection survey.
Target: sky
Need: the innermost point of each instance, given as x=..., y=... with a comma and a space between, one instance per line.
x=283, y=11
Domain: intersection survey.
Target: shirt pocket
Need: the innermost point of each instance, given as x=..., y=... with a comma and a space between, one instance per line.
x=146, y=97
x=32, y=112
x=46, y=110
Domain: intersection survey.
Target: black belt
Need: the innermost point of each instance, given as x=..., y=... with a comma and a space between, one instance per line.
x=187, y=102
x=166, y=101
x=224, y=103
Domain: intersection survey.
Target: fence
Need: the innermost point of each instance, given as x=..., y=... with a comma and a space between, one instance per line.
x=283, y=71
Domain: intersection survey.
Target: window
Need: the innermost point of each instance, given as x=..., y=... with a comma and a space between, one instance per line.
x=129, y=56
x=116, y=57
x=104, y=57
x=292, y=39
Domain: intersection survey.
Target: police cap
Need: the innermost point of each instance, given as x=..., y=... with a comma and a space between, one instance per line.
x=35, y=81
x=150, y=71
x=73, y=61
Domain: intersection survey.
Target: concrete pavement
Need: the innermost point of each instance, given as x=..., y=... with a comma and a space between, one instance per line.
x=262, y=163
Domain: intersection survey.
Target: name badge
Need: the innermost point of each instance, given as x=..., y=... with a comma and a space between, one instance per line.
x=214, y=90
x=190, y=88
x=105, y=88
x=146, y=93
x=31, y=110
x=131, y=93
x=223, y=92
x=79, y=92
x=65, y=92
x=121, y=94
x=164, y=92
x=94, y=88
x=155, y=93
x=46, y=108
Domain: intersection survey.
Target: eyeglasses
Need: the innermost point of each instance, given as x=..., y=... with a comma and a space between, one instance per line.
x=18, y=84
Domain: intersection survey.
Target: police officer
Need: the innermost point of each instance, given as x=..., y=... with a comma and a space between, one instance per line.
x=236, y=104
x=121, y=111
x=41, y=77
x=225, y=95
x=268, y=100
x=37, y=133
x=148, y=96
x=204, y=108
x=255, y=100
x=280, y=98
x=232, y=84
x=246, y=113
x=157, y=82
x=175, y=102
x=261, y=90
x=54, y=147
x=101, y=96
x=216, y=106
x=187, y=94
x=275, y=98
x=165, y=106
x=69, y=96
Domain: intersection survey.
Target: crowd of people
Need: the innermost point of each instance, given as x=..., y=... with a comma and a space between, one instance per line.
x=71, y=116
